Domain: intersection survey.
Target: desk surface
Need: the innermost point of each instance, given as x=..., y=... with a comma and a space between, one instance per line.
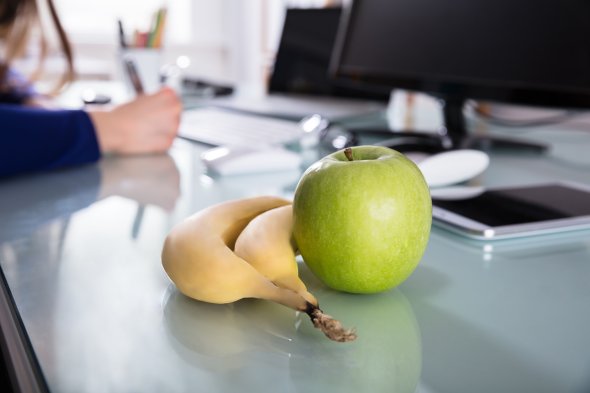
x=80, y=251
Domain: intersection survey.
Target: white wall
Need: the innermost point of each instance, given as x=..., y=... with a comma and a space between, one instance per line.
x=227, y=40
x=196, y=28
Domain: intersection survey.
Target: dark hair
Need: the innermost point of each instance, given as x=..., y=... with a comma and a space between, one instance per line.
x=17, y=18
x=8, y=11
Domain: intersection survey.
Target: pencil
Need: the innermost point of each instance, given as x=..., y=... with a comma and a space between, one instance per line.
x=160, y=28
x=155, y=27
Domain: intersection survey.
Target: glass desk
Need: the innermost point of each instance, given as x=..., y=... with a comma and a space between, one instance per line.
x=87, y=306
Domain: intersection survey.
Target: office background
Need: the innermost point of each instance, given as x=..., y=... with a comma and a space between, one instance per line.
x=80, y=252
x=228, y=41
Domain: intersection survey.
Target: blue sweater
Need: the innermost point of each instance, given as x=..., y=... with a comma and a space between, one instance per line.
x=34, y=139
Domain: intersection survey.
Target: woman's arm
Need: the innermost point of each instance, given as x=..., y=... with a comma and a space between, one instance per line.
x=33, y=139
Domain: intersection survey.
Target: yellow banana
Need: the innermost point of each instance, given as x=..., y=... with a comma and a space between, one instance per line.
x=267, y=244
x=198, y=257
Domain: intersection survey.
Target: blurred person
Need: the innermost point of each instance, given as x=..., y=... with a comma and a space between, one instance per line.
x=35, y=138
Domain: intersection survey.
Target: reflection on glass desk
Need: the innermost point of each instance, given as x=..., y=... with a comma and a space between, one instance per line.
x=80, y=252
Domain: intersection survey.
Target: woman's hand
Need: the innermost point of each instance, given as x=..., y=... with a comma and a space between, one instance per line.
x=147, y=124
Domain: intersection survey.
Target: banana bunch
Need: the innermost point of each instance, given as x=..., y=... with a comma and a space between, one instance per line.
x=243, y=249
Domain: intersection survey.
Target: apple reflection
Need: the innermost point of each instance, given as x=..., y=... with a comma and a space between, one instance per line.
x=386, y=357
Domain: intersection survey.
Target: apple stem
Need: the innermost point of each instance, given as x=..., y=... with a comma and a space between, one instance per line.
x=348, y=154
x=331, y=327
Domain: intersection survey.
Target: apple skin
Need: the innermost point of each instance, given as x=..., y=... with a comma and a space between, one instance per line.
x=362, y=226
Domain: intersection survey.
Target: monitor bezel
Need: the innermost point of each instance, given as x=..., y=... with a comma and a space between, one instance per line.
x=452, y=88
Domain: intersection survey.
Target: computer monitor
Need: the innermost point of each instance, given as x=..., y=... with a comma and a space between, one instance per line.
x=303, y=57
x=532, y=52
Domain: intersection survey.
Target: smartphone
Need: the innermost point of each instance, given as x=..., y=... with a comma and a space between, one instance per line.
x=510, y=212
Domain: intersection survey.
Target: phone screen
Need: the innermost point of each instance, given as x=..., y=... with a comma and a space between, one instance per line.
x=521, y=205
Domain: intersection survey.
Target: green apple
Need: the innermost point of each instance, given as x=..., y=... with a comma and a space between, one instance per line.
x=362, y=218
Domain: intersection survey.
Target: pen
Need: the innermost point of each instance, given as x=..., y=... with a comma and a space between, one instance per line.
x=138, y=87
x=122, y=41
x=133, y=75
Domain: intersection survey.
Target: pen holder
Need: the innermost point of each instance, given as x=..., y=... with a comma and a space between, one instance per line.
x=148, y=62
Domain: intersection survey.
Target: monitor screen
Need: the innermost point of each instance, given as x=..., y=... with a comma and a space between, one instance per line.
x=534, y=52
x=303, y=57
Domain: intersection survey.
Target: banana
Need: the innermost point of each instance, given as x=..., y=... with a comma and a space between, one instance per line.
x=198, y=257
x=267, y=244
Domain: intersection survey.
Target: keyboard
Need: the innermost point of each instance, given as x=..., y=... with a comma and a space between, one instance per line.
x=219, y=127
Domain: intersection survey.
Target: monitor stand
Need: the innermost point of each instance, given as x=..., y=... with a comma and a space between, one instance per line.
x=454, y=124
x=452, y=135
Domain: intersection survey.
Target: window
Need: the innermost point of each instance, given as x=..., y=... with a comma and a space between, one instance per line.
x=210, y=31
x=199, y=30
x=95, y=22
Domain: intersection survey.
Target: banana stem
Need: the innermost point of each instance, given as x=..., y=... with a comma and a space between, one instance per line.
x=331, y=327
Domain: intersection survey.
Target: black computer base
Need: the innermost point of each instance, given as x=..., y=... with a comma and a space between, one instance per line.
x=434, y=143
x=416, y=141
x=481, y=142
